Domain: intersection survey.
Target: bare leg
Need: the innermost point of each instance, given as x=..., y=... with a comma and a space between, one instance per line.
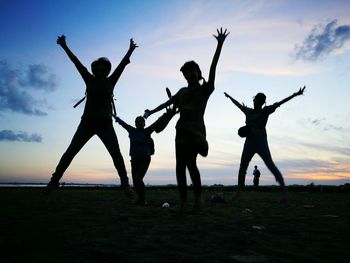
x=191, y=161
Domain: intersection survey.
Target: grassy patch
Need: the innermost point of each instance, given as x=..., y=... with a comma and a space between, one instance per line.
x=102, y=225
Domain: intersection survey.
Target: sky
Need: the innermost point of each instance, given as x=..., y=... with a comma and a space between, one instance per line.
x=274, y=47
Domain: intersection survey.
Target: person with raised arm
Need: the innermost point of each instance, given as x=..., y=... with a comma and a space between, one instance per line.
x=141, y=149
x=97, y=115
x=256, y=138
x=190, y=138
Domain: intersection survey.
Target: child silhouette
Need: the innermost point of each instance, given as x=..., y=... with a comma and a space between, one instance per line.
x=141, y=149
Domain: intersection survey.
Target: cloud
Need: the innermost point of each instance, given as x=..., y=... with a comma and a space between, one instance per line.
x=325, y=126
x=317, y=122
x=8, y=135
x=330, y=150
x=17, y=87
x=39, y=77
x=322, y=41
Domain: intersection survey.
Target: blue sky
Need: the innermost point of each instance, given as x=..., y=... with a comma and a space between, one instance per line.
x=274, y=47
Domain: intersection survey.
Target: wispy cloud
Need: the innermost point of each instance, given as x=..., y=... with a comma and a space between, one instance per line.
x=323, y=40
x=330, y=149
x=8, y=135
x=17, y=86
x=325, y=125
x=316, y=122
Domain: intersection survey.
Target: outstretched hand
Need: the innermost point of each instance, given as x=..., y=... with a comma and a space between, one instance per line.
x=300, y=91
x=221, y=35
x=226, y=95
x=61, y=40
x=133, y=45
x=146, y=114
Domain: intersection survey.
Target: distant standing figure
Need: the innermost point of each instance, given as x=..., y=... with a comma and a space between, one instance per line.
x=256, y=174
x=256, y=142
x=141, y=149
x=97, y=116
x=190, y=140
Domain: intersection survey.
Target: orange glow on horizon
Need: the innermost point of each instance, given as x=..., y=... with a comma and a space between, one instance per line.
x=320, y=176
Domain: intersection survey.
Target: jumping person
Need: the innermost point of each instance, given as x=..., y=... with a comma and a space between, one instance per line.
x=97, y=116
x=256, y=141
x=190, y=138
x=141, y=149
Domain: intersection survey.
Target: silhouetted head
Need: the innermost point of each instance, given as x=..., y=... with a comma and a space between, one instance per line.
x=255, y=166
x=259, y=100
x=191, y=72
x=101, y=67
x=140, y=122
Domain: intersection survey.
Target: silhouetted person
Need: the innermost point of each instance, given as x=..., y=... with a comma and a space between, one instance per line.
x=97, y=116
x=190, y=138
x=141, y=149
x=256, y=174
x=256, y=142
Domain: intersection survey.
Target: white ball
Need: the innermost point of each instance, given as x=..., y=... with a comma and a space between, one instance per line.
x=165, y=205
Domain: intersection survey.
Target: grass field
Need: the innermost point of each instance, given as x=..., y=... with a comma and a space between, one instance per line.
x=102, y=225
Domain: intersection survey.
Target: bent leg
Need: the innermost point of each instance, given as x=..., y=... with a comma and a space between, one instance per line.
x=191, y=163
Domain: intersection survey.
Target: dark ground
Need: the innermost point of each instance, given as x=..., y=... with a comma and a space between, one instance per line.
x=102, y=225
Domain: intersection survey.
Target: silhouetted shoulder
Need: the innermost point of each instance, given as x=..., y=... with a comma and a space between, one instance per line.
x=181, y=91
x=208, y=87
x=270, y=108
x=246, y=109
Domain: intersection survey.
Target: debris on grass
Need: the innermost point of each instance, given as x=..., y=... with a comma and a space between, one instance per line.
x=259, y=227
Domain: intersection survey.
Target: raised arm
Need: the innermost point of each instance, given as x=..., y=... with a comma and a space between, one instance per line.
x=125, y=61
x=220, y=38
x=160, y=107
x=299, y=92
x=61, y=40
x=240, y=106
x=123, y=124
